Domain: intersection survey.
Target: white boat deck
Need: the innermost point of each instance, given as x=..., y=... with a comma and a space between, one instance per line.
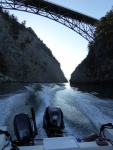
x=62, y=143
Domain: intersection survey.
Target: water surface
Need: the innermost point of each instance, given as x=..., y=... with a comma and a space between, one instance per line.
x=83, y=107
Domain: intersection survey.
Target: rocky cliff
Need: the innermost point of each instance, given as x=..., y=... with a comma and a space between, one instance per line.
x=23, y=56
x=98, y=65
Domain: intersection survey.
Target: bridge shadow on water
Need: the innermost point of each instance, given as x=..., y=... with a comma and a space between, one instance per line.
x=104, y=91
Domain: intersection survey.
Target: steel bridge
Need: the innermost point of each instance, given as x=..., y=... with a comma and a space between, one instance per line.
x=78, y=22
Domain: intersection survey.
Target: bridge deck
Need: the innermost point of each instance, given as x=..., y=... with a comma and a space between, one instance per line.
x=54, y=8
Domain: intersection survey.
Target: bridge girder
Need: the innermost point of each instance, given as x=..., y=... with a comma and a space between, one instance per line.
x=81, y=27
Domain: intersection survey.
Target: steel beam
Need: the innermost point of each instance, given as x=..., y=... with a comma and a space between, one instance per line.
x=80, y=23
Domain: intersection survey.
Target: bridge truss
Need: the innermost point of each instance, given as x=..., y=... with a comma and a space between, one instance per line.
x=82, y=24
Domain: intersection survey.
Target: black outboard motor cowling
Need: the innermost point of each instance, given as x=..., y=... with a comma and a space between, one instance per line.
x=23, y=128
x=53, y=121
x=55, y=117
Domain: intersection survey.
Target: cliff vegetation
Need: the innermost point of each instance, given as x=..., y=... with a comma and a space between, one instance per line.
x=97, y=67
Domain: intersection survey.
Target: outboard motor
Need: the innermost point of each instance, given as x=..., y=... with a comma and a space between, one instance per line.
x=53, y=121
x=25, y=129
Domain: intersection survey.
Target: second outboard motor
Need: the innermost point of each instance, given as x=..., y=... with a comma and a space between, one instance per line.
x=53, y=121
x=25, y=129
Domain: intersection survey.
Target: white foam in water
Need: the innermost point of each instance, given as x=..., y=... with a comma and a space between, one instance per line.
x=46, y=95
x=72, y=102
x=8, y=105
x=48, y=92
x=94, y=108
x=88, y=104
x=83, y=108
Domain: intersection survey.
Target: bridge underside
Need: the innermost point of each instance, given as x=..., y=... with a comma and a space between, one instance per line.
x=82, y=24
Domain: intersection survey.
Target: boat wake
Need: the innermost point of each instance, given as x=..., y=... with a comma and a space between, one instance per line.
x=82, y=111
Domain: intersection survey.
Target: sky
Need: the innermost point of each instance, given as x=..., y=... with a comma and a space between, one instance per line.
x=68, y=47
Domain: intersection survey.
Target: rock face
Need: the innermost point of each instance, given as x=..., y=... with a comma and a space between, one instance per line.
x=98, y=65
x=23, y=56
